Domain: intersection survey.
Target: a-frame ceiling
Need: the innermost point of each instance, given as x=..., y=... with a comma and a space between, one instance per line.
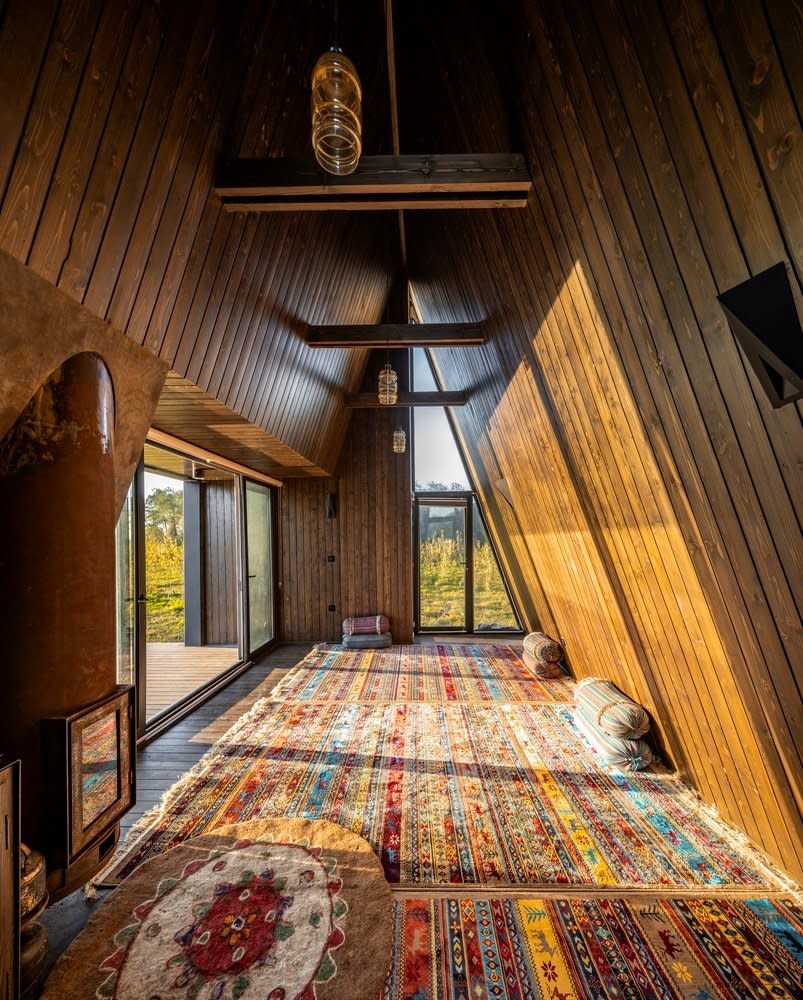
x=113, y=118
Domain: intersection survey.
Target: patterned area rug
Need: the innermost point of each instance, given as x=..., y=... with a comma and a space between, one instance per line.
x=276, y=910
x=464, y=770
x=453, y=793
x=445, y=672
x=578, y=948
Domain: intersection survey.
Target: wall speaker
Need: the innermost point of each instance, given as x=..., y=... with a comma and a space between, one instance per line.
x=765, y=317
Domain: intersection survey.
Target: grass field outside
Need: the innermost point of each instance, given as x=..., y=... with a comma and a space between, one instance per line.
x=165, y=594
x=442, y=586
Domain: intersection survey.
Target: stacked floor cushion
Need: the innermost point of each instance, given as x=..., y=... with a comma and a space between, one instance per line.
x=612, y=723
x=542, y=655
x=367, y=632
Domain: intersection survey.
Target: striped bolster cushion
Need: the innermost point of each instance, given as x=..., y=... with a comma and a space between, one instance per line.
x=541, y=647
x=366, y=641
x=613, y=712
x=543, y=669
x=629, y=755
x=366, y=625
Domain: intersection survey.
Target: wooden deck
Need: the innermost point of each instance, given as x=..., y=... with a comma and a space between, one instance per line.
x=175, y=670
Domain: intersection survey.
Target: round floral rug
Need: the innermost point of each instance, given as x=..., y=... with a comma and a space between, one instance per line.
x=282, y=909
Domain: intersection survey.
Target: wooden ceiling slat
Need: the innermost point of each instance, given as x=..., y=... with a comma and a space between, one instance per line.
x=274, y=252
x=111, y=197
x=301, y=288
x=234, y=337
x=301, y=284
x=195, y=221
x=199, y=224
x=216, y=300
x=277, y=317
x=193, y=322
x=23, y=47
x=46, y=125
x=232, y=303
x=198, y=101
x=84, y=133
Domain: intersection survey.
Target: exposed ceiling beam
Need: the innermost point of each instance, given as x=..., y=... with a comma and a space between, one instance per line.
x=397, y=335
x=369, y=401
x=464, y=180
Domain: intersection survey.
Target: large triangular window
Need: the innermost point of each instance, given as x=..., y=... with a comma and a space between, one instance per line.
x=459, y=585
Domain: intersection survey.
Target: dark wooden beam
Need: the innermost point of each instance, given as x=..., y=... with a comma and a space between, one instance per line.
x=467, y=180
x=369, y=401
x=397, y=335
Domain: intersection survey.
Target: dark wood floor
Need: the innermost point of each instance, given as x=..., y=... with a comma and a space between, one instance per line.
x=161, y=762
x=164, y=760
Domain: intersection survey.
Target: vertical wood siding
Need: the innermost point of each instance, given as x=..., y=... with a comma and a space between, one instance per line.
x=656, y=493
x=371, y=538
x=113, y=117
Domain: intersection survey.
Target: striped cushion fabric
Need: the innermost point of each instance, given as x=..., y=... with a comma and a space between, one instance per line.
x=368, y=641
x=543, y=669
x=629, y=755
x=541, y=647
x=613, y=712
x=366, y=625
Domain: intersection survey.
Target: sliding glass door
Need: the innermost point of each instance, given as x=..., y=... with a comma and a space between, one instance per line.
x=195, y=579
x=259, y=563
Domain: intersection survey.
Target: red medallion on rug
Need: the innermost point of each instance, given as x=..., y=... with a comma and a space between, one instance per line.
x=250, y=920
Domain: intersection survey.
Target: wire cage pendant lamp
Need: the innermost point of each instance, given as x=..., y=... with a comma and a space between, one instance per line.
x=399, y=441
x=336, y=110
x=388, y=385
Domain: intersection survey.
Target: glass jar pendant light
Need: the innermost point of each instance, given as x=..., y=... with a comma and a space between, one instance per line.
x=388, y=386
x=336, y=113
x=399, y=442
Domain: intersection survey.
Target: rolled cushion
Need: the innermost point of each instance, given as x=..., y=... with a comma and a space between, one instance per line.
x=366, y=641
x=366, y=625
x=541, y=647
x=613, y=712
x=543, y=669
x=629, y=755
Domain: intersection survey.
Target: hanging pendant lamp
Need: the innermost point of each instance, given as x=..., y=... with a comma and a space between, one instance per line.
x=399, y=442
x=388, y=386
x=336, y=113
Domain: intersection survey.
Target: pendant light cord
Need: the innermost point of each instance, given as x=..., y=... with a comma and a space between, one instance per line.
x=336, y=40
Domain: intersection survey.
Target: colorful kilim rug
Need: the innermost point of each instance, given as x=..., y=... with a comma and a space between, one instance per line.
x=462, y=770
x=442, y=672
x=522, y=949
x=481, y=793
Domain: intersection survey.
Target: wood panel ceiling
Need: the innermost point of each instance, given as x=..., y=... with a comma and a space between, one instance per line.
x=113, y=116
x=657, y=496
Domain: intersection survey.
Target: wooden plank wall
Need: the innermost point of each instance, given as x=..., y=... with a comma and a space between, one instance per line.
x=370, y=538
x=309, y=581
x=113, y=116
x=221, y=570
x=657, y=495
